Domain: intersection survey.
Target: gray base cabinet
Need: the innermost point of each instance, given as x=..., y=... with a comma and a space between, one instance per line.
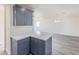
x=37, y=46
x=20, y=47
x=41, y=47
x=31, y=44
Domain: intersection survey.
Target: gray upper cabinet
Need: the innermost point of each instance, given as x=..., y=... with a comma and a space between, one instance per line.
x=21, y=16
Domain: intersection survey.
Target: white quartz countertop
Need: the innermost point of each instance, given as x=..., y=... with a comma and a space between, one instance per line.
x=42, y=35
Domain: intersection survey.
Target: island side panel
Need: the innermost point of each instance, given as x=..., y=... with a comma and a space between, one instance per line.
x=48, y=46
x=13, y=46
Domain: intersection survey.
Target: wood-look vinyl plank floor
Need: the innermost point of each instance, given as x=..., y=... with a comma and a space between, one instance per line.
x=65, y=45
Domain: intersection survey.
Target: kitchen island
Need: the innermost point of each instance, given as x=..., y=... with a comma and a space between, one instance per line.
x=31, y=43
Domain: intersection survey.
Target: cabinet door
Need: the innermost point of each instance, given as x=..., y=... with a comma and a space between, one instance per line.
x=34, y=46
x=23, y=46
x=41, y=47
x=19, y=16
x=37, y=46
x=22, y=17
x=28, y=18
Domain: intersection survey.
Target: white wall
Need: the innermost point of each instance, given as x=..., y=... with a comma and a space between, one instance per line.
x=5, y=15
x=7, y=24
x=67, y=14
x=2, y=28
x=47, y=14
x=21, y=29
